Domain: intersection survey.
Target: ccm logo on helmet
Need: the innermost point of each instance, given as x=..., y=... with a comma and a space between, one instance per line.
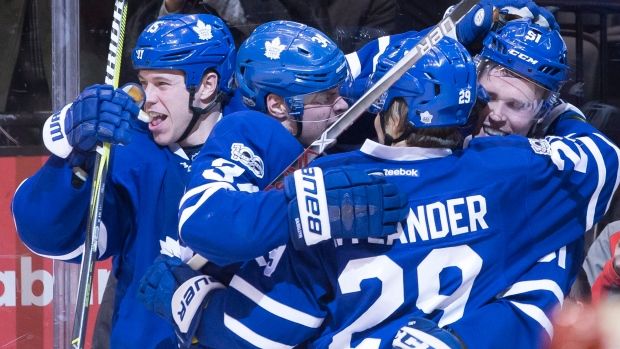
x=522, y=56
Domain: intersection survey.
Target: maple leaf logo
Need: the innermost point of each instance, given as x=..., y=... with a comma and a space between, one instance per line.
x=273, y=48
x=426, y=117
x=203, y=31
x=173, y=248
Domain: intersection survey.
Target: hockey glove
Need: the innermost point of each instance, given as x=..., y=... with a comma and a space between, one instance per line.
x=490, y=14
x=341, y=203
x=99, y=114
x=177, y=293
x=423, y=333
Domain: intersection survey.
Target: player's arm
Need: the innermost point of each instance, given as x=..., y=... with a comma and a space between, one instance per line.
x=227, y=218
x=524, y=311
x=224, y=215
x=50, y=207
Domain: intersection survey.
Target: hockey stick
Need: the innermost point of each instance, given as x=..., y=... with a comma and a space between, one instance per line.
x=102, y=159
x=366, y=100
x=369, y=97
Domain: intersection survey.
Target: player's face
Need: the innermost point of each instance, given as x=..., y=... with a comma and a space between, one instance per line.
x=320, y=111
x=513, y=106
x=167, y=103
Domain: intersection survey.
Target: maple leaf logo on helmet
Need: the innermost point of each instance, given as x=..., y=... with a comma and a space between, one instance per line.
x=273, y=48
x=203, y=31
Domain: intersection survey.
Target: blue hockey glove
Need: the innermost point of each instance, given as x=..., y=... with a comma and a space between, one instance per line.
x=423, y=333
x=487, y=15
x=341, y=203
x=99, y=114
x=177, y=293
x=546, y=19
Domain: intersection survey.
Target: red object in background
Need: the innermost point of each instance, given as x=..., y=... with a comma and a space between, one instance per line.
x=26, y=290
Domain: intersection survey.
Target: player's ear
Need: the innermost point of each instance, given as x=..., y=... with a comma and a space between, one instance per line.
x=208, y=86
x=276, y=107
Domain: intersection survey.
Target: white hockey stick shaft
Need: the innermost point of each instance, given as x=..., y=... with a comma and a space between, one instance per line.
x=102, y=159
x=365, y=101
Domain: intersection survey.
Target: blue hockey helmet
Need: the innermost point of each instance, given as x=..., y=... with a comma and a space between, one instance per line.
x=534, y=52
x=290, y=60
x=440, y=89
x=191, y=43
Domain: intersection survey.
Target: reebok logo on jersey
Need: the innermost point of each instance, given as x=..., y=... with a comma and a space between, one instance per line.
x=246, y=157
x=401, y=172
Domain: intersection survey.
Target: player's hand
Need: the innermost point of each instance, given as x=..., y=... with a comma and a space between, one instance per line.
x=99, y=114
x=491, y=14
x=341, y=203
x=423, y=333
x=177, y=293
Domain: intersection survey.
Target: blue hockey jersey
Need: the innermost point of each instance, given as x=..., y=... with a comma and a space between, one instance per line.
x=479, y=220
x=218, y=217
x=143, y=189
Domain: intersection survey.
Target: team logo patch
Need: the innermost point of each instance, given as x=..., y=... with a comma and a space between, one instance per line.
x=245, y=156
x=273, y=48
x=426, y=117
x=540, y=146
x=203, y=31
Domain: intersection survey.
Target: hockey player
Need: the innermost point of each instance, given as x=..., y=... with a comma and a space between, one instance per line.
x=542, y=75
x=293, y=75
x=185, y=64
x=363, y=291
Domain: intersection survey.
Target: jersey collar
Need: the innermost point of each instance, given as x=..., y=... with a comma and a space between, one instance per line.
x=402, y=153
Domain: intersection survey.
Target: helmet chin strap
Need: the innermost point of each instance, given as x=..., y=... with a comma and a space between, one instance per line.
x=388, y=139
x=220, y=98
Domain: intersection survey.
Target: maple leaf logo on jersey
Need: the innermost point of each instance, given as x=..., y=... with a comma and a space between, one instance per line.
x=426, y=117
x=203, y=31
x=273, y=49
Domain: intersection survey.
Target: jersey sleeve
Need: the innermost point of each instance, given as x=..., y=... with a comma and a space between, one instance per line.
x=50, y=214
x=570, y=181
x=225, y=215
x=524, y=311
